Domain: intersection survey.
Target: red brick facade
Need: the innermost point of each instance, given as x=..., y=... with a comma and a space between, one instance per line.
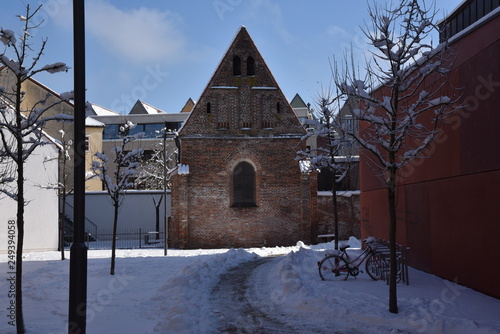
x=242, y=115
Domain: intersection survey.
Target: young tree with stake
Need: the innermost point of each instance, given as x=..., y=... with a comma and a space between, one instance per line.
x=402, y=100
x=331, y=143
x=126, y=164
x=21, y=125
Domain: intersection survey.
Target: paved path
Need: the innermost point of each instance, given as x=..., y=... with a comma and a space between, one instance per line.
x=237, y=309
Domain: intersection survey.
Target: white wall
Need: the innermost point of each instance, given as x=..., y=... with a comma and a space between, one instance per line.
x=137, y=210
x=41, y=213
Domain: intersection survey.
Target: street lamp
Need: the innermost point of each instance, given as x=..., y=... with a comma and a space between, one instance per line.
x=77, y=315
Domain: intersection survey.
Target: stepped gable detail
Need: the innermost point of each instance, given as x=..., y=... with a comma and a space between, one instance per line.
x=242, y=98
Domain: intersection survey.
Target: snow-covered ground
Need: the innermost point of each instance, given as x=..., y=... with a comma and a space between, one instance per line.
x=155, y=294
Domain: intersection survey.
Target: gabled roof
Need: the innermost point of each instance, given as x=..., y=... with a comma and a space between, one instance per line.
x=90, y=122
x=242, y=98
x=297, y=102
x=188, y=107
x=96, y=110
x=141, y=107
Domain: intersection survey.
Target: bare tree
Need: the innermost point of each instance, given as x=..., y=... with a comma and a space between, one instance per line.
x=126, y=164
x=63, y=188
x=401, y=100
x=332, y=152
x=20, y=125
x=164, y=156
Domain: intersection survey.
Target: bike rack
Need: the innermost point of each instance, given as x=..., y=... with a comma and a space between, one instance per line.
x=382, y=249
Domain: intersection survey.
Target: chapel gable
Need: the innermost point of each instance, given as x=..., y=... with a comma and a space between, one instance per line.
x=242, y=98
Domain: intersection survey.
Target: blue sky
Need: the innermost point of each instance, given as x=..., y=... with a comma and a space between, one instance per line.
x=164, y=52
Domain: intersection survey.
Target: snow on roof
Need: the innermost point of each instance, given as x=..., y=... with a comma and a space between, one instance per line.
x=101, y=111
x=150, y=109
x=90, y=122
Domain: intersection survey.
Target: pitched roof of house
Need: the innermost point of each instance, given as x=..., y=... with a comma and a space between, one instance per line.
x=141, y=107
x=96, y=110
x=90, y=122
x=188, y=107
x=297, y=102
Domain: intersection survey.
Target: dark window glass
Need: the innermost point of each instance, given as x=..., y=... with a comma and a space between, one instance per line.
x=250, y=66
x=137, y=129
x=209, y=108
x=487, y=6
x=236, y=65
x=244, y=185
x=453, y=26
x=278, y=107
x=111, y=131
x=473, y=11
x=466, y=16
x=460, y=22
x=153, y=130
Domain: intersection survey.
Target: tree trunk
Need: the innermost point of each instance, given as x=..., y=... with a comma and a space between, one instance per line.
x=61, y=224
x=157, y=207
x=391, y=190
x=335, y=211
x=113, y=243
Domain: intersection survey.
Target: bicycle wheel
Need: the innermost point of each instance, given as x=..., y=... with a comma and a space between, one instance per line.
x=333, y=268
x=376, y=267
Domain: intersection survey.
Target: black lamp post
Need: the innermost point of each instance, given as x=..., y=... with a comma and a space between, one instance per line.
x=77, y=315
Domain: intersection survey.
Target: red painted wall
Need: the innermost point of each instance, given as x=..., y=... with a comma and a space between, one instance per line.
x=448, y=203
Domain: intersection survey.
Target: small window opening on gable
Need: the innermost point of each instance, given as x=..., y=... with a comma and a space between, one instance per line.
x=278, y=107
x=209, y=108
x=236, y=65
x=244, y=185
x=250, y=66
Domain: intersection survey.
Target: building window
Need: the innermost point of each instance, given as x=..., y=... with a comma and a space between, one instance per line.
x=236, y=66
x=209, y=108
x=278, y=107
x=244, y=185
x=250, y=66
x=87, y=143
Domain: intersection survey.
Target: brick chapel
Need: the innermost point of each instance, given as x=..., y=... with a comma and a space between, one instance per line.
x=238, y=183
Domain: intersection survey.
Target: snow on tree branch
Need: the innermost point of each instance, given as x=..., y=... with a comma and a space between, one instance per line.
x=391, y=99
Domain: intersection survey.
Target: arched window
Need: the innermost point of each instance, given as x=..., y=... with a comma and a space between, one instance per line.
x=250, y=66
x=244, y=185
x=236, y=65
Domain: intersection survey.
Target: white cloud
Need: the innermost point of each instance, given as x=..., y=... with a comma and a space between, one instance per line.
x=267, y=12
x=142, y=34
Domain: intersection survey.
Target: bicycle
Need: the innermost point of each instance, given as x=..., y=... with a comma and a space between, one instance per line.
x=337, y=265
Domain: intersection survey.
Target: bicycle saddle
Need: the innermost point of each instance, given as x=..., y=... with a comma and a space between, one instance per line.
x=344, y=247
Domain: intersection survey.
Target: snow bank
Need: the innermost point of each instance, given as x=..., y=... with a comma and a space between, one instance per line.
x=428, y=305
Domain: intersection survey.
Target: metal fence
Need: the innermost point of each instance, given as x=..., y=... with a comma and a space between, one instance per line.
x=125, y=239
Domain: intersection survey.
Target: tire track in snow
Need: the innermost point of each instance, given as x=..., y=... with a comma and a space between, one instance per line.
x=238, y=310
x=231, y=303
